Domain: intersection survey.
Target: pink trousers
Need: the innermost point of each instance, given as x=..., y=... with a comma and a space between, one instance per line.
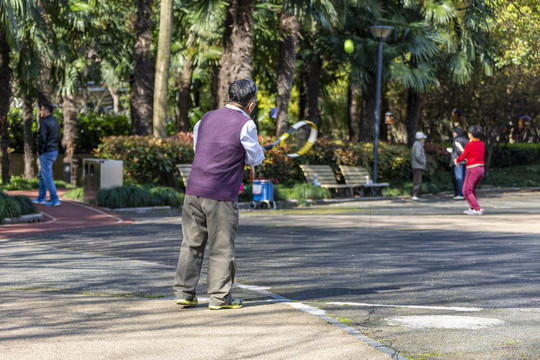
x=472, y=179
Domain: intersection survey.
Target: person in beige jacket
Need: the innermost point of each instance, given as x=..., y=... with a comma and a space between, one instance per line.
x=418, y=163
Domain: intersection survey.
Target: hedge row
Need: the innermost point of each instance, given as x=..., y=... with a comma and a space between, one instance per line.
x=149, y=160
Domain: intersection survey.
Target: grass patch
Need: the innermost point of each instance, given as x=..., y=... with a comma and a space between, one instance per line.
x=75, y=194
x=21, y=183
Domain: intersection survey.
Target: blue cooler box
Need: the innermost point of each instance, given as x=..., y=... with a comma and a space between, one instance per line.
x=263, y=190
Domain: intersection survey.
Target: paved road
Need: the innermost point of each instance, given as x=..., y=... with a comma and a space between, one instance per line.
x=419, y=277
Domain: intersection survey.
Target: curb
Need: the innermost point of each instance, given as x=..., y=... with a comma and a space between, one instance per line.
x=32, y=218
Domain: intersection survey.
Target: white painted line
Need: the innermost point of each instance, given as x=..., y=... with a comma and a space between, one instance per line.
x=443, y=308
x=444, y=322
x=118, y=220
x=53, y=219
x=322, y=314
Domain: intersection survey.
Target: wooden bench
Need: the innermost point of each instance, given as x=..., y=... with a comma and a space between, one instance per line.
x=325, y=177
x=360, y=180
x=185, y=170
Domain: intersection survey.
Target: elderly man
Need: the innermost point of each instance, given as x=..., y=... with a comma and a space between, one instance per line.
x=418, y=163
x=224, y=140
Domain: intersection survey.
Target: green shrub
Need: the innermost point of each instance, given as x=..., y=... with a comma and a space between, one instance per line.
x=148, y=160
x=138, y=196
x=9, y=208
x=515, y=154
x=305, y=191
x=25, y=205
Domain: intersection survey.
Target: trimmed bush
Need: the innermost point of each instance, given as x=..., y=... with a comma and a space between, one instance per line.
x=148, y=160
x=138, y=196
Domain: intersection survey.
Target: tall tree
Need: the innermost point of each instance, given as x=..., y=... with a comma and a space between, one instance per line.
x=12, y=14
x=237, y=46
x=162, y=69
x=142, y=82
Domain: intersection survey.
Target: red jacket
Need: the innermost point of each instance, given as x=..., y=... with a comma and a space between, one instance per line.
x=473, y=152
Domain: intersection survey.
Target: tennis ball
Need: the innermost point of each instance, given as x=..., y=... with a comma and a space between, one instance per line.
x=349, y=46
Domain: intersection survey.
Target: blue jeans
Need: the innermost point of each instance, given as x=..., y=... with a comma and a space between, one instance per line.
x=46, y=161
x=459, y=171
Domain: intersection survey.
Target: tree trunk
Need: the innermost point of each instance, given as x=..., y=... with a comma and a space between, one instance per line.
x=237, y=46
x=70, y=135
x=414, y=105
x=313, y=85
x=367, y=120
x=142, y=86
x=162, y=69
x=115, y=95
x=290, y=26
x=352, y=109
x=184, y=99
x=215, y=86
x=29, y=142
x=5, y=95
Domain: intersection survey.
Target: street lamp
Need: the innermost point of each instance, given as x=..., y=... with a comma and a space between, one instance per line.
x=380, y=33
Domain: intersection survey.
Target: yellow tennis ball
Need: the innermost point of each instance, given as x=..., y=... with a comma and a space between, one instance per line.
x=349, y=46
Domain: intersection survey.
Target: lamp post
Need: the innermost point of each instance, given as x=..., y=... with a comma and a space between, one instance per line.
x=380, y=33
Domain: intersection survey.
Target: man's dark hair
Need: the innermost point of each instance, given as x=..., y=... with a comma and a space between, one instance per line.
x=242, y=92
x=47, y=105
x=457, y=131
x=476, y=131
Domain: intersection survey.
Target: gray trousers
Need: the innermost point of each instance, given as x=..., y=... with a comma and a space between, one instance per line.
x=417, y=181
x=216, y=222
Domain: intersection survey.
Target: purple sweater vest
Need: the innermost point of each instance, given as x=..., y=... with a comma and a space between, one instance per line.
x=218, y=164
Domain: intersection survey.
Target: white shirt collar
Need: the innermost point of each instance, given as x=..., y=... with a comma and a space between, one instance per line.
x=229, y=106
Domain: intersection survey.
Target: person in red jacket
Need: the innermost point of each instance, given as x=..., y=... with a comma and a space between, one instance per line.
x=473, y=154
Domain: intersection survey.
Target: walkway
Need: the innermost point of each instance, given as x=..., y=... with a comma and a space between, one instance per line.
x=70, y=215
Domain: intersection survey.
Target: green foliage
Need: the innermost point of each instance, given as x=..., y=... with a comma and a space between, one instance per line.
x=516, y=176
x=148, y=160
x=94, y=126
x=21, y=183
x=305, y=191
x=25, y=205
x=91, y=127
x=75, y=194
x=15, y=206
x=515, y=154
x=138, y=196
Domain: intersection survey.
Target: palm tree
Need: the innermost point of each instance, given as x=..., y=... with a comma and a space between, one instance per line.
x=162, y=69
x=12, y=13
x=237, y=46
x=142, y=82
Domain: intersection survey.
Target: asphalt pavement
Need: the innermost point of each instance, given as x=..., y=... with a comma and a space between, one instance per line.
x=357, y=280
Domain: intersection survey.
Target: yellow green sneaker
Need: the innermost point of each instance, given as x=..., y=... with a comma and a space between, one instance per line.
x=235, y=304
x=186, y=303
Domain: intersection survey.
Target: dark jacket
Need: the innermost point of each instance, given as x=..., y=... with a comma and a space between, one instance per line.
x=458, y=144
x=48, y=135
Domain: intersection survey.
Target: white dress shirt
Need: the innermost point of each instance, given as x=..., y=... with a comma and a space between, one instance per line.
x=248, y=138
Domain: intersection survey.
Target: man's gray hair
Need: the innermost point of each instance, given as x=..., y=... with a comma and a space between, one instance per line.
x=242, y=92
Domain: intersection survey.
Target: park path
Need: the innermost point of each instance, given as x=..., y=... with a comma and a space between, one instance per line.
x=71, y=215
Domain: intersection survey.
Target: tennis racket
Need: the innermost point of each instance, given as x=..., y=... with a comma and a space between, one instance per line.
x=297, y=140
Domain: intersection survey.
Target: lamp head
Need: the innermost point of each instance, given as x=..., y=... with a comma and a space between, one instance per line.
x=381, y=32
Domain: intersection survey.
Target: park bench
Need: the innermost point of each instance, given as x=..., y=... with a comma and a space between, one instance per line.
x=360, y=180
x=184, y=170
x=325, y=177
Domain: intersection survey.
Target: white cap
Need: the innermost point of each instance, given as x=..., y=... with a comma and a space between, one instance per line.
x=420, y=135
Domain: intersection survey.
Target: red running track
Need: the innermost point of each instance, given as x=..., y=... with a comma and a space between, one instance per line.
x=71, y=215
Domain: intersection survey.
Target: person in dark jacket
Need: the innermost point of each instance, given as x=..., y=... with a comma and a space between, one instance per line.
x=457, y=171
x=47, y=136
